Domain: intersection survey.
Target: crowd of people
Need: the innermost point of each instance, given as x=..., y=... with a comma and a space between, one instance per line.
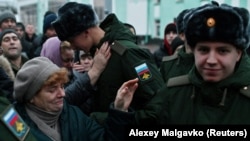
x=83, y=79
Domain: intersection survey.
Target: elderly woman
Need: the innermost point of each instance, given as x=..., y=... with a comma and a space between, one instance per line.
x=39, y=92
x=81, y=86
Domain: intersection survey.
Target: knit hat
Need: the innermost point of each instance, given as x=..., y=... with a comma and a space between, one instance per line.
x=48, y=20
x=170, y=27
x=218, y=23
x=6, y=31
x=31, y=77
x=73, y=19
x=5, y=15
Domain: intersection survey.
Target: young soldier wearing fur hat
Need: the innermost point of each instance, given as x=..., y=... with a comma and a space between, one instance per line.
x=216, y=90
x=78, y=24
x=39, y=92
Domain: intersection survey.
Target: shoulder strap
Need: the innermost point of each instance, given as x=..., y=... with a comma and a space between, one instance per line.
x=168, y=58
x=178, y=81
x=245, y=91
x=118, y=48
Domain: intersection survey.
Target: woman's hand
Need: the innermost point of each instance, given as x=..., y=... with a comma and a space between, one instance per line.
x=101, y=57
x=125, y=94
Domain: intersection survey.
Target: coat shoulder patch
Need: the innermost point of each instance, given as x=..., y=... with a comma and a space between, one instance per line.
x=178, y=81
x=118, y=48
x=245, y=91
x=143, y=72
x=169, y=58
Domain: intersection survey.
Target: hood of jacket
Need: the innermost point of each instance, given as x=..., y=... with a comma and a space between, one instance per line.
x=115, y=30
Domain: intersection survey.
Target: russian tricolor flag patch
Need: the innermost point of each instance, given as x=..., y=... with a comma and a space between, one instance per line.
x=143, y=72
x=15, y=123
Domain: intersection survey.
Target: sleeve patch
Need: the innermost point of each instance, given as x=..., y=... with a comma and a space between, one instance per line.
x=15, y=123
x=143, y=72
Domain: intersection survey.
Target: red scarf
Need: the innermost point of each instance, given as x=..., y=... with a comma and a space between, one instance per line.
x=167, y=47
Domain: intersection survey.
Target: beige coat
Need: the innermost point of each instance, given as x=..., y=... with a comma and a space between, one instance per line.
x=5, y=64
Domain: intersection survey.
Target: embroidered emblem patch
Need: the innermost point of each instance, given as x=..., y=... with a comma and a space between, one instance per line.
x=143, y=72
x=15, y=123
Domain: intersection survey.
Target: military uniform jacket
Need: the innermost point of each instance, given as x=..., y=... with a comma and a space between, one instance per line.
x=177, y=64
x=128, y=61
x=190, y=100
x=9, y=130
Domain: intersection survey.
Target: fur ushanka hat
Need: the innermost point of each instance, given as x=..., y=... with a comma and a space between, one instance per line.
x=74, y=18
x=222, y=23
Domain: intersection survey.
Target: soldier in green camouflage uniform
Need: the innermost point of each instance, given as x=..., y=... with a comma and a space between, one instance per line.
x=216, y=90
x=127, y=61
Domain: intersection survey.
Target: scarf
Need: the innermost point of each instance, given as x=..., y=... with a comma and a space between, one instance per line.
x=167, y=47
x=46, y=121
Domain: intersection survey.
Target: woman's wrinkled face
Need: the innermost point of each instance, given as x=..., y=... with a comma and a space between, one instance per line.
x=50, y=98
x=216, y=61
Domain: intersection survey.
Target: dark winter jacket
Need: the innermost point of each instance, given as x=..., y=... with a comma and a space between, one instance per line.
x=159, y=54
x=177, y=64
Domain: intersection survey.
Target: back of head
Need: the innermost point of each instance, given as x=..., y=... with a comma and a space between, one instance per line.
x=217, y=23
x=5, y=15
x=74, y=18
x=180, y=21
x=176, y=43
